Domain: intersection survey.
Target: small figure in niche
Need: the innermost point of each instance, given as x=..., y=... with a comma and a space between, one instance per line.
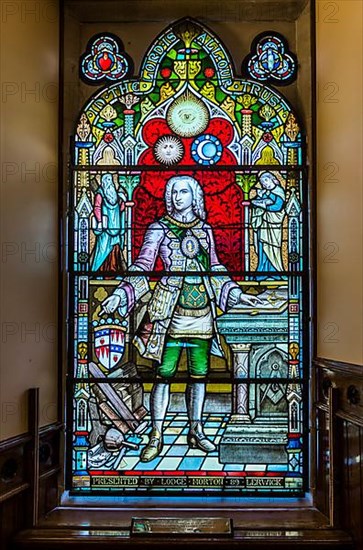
x=267, y=217
x=109, y=227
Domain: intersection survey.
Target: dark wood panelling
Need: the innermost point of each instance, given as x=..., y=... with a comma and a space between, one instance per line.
x=339, y=494
x=48, y=493
x=247, y=539
x=25, y=496
x=13, y=459
x=353, y=479
x=349, y=381
x=267, y=517
x=13, y=518
x=322, y=457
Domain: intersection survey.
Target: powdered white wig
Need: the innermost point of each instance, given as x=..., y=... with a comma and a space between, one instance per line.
x=197, y=192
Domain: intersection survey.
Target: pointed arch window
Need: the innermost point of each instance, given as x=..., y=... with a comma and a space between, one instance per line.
x=188, y=275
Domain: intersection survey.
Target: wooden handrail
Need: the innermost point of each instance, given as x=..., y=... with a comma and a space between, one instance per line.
x=33, y=427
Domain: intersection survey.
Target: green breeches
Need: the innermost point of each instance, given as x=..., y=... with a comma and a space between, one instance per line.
x=197, y=357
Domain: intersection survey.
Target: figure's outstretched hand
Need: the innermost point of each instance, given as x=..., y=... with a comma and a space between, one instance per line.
x=249, y=300
x=237, y=297
x=111, y=304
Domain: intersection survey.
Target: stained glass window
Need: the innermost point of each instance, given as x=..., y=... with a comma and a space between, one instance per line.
x=188, y=277
x=270, y=60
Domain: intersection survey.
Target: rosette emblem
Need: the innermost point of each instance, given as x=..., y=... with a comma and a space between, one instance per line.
x=190, y=246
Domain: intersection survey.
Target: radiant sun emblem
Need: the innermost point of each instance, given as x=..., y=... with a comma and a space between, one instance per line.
x=187, y=116
x=168, y=150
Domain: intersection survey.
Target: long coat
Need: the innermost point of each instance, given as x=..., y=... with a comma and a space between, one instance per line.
x=164, y=240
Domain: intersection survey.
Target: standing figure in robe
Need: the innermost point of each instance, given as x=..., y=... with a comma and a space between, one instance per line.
x=267, y=217
x=109, y=214
x=182, y=311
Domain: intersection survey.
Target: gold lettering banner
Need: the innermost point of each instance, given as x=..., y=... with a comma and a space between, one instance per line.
x=206, y=482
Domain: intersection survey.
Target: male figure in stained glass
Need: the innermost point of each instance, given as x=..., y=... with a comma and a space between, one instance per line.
x=109, y=227
x=183, y=308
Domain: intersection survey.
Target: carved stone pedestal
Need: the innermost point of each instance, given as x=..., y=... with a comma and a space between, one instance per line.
x=248, y=438
x=251, y=444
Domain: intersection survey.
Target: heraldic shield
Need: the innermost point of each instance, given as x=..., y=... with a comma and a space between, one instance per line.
x=109, y=344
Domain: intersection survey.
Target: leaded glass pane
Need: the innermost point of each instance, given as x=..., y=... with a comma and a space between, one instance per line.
x=187, y=276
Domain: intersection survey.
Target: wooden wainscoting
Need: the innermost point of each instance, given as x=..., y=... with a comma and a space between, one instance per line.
x=339, y=445
x=29, y=472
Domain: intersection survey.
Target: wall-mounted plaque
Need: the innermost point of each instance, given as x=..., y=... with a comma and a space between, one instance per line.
x=156, y=527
